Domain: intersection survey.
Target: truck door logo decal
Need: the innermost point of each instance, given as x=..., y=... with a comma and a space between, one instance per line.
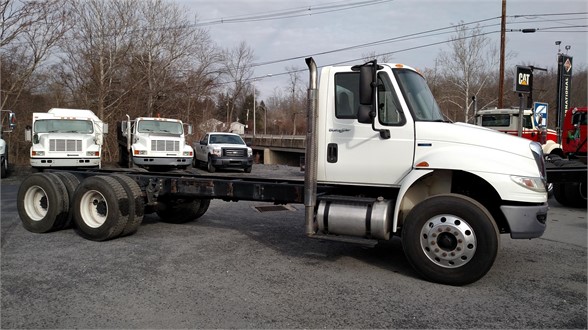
x=339, y=130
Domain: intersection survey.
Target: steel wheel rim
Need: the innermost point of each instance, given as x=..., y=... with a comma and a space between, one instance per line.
x=94, y=209
x=448, y=241
x=36, y=203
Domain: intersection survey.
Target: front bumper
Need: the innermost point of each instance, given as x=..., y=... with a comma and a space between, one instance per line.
x=526, y=221
x=230, y=162
x=65, y=162
x=162, y=161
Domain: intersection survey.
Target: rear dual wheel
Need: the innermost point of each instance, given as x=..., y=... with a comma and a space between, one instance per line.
x=43, y=203
x=181, y=210
x=571, y=194
x=100, y=211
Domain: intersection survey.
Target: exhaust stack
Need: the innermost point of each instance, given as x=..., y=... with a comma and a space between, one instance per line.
x=310, y=174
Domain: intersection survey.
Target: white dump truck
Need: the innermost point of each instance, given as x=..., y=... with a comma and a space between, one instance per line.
x=66, y=138
x=154, y=143
x=381, y=161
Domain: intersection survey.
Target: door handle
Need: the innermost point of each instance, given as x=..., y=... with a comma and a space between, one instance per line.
x=332, y=153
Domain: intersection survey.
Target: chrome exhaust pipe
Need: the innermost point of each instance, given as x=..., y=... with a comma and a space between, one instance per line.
x=310, y=171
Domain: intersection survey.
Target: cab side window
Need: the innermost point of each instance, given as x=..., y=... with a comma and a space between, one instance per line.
x=389, y=111
x=346, y=95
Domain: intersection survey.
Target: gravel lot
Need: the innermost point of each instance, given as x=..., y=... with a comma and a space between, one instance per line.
x=237, y=267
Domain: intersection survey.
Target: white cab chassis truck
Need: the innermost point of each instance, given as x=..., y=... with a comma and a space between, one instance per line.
x=10, y=124
x=154, y=143
x=66, y=138
x=380, y=162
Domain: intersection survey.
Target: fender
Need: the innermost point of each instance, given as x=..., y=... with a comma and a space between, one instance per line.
x=407, y=183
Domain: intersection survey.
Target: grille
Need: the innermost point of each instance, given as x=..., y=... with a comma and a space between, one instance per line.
x=65, y=145
x=234, y=152
x=165, y=145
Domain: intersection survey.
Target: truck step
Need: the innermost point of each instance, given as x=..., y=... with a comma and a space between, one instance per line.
x=367, y=242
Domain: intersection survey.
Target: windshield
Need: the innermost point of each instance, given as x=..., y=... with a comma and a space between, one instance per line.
x=419, y=98
x=63, y=126
x=160, y=126
x=226, y=139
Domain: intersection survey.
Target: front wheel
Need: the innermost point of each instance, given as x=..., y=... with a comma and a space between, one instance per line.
x=450, y=239
x=209, y=166
x=4, y=168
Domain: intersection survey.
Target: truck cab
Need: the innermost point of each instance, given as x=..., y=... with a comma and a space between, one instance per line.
x=574, y=133
x=150, y=142
x=66, y=138
x=397, y=167
x=507, y=121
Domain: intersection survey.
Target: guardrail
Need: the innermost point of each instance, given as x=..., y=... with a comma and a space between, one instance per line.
x=276, y=141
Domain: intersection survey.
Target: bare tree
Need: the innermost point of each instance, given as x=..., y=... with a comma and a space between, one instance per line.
x=96, y=51
x=163, y=51
x=467, y=67
x=28, y=33
x=295, y=91
x=382, y=58
x=237, y=71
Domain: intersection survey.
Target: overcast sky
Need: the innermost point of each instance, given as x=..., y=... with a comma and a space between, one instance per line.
x=324, y=26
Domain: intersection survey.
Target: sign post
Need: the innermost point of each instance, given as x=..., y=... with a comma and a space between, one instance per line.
x=564, y=88
x=540, y=111
x=523, y=84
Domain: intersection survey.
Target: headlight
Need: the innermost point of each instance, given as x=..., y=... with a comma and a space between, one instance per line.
x=92, y=153
x=37, y=153
x=1, y=149
x=249, y=152
x=140, y=152
x=217, y=152
x=535, y=184
x=187, y=153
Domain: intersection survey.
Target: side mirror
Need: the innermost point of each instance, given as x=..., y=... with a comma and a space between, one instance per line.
x=123, y=128
x=366, y=83
x=105, y=128
x=202, y=142
x=28, y=134
x=365, y=114
x=12, y=120
x=189, y=128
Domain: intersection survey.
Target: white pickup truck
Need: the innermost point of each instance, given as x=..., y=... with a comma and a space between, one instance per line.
x=223, y=150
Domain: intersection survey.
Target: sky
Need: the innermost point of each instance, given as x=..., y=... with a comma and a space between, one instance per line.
x=284, y=32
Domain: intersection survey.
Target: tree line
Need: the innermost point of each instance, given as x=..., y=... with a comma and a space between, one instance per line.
x=148, y=58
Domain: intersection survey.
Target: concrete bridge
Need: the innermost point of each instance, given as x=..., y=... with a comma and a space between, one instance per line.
x=277, y=149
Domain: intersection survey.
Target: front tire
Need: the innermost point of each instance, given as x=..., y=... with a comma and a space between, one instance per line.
x=209, y=165
x=4, y=168
x=450, y=239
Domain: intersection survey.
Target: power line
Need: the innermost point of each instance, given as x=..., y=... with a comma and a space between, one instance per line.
x=292, y=12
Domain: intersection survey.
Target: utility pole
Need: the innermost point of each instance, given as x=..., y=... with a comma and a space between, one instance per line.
x=502, y=46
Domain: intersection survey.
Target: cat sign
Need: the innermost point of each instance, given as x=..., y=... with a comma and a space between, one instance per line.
x=523, y=79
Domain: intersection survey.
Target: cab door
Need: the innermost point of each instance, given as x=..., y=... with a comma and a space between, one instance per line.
x=354, y=152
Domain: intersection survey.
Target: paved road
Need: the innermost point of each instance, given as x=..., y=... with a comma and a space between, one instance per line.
x=239, y=268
